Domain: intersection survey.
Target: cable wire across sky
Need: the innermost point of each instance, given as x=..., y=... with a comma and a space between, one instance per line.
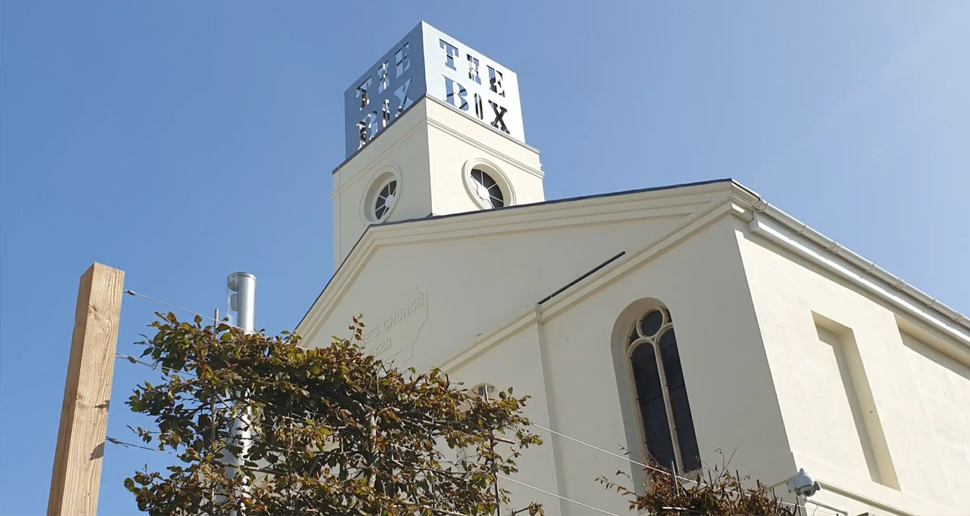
x=641, y=464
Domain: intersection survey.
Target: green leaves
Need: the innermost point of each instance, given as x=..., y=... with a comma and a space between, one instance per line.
x=332, y=430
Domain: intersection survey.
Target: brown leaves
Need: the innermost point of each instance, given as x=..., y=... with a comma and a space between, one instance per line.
x=332, y=430
x=721, y=493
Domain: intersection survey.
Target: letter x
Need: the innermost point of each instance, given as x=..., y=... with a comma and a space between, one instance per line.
x=498, y=123
x=402, y=95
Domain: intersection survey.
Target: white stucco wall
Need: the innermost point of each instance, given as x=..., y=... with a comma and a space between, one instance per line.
x=428, y=149
x=401, y=148
x=479, y=272
x=731, y=396
x=454, y=139
x=786, y=366
x=912, y=465
x=943, y=385
x=516, y=362
x=472, y=284
x=569, y=361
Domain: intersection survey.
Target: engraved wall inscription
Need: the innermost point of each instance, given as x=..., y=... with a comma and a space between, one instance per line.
x=393, y=338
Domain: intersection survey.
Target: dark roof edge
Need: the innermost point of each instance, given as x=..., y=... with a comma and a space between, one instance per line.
x=383, y=131
x=559, y=201
x=588, y=273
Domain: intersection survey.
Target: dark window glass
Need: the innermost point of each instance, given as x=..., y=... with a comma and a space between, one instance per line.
x=489, y=189
x=680, y=406
x=671, y=359
x=652, y=409
x=685, y=429
x=381, y=204
x=495, y=196
x=651, y=323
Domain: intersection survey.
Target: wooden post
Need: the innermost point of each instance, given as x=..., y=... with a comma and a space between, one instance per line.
x=76, y=476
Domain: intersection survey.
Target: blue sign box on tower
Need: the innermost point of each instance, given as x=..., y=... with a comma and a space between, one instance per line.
x=428, y=61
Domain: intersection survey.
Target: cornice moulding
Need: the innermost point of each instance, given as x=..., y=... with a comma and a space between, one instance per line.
x=481, y=146
x=602, y=278
x=764, y=220
x=376, y=161
x=481, y=123
x=482, y=344
x=631, y=261
x=794, y=235
x=580, y=212
x=869, y=493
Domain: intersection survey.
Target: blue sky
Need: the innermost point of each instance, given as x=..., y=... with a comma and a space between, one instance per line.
x=182, y=141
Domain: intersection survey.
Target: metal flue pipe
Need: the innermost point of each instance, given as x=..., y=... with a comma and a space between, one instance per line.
x=241, y=288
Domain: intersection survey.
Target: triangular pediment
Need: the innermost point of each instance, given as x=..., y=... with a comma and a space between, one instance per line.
x=453, y=278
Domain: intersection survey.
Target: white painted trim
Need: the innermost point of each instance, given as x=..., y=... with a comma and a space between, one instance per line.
x=593, y=210
x=481, y=146
x=865, y=491
x=385, y=174
x=443, y=229
x=520, y=322
x=742, y=203
x=762, y=225
x=621, y=267
x=540, y=314
x=341, y=182
x=752, y=203
x=481, y=123
x=552, y=417
x=497, y=175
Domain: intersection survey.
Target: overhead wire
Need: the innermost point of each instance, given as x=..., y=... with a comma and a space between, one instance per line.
x=119, y=442
x=503, y=477
x=597, y=448
x=125, y=444
x=570, y=500
x=156, y=367
x=176, y=307
x=660, y=470
x=551, y=431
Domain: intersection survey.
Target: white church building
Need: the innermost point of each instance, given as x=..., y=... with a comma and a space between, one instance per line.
x=791, y=352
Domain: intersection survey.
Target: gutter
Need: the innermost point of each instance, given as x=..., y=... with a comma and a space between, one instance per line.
x=870, y=270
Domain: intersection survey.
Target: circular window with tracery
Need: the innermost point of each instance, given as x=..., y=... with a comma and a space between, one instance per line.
x=381, y=196
x=385, y=199
x=486, y=189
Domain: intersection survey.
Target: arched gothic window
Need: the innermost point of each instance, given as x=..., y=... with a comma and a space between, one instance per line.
x=661, y=394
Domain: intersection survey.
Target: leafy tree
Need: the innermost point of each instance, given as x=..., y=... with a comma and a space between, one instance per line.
x=720, y=494
x=333, y=430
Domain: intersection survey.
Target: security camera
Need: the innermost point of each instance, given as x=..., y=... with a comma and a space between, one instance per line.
x=802, y=484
